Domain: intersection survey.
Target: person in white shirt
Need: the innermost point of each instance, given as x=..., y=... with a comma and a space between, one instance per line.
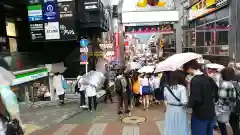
x=57, y=84
x=92, y=96
x=156, y=85
x=145, y=90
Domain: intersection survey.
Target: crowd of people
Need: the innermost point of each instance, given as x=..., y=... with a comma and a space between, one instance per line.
x=212, y=95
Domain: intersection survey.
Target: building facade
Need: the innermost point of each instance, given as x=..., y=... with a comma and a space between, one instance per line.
x=207, y=28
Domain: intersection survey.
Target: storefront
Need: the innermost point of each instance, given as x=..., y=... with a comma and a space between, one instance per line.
x=208, y=30
x=31, y=85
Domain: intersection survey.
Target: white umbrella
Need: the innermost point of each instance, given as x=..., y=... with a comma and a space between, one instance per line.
x=133, y=65
x=215, y=66
x=146, y=69
x=58, y=67
x=6, y=77
x=176, y=61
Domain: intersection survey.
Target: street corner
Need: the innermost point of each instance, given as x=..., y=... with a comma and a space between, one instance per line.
x=30, y=128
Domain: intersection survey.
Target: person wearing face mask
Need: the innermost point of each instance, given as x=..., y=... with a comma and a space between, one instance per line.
x=203, y=93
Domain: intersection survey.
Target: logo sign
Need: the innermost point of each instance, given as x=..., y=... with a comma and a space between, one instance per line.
x=50, y=11
x=84, y=49
x=35, y=13
x=90, y=6
x=149, y=28
x=50, y=1
x=83, y=58
x=66, y=10
x=83, y=42
x=67, y=29
x=202, y=8
x=222, y=3
x=37, y=31
x=52, y=30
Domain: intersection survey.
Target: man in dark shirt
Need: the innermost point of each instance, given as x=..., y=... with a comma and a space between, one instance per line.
x=203, y=90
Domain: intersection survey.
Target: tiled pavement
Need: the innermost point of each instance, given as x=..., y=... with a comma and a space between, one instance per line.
x=105, y=121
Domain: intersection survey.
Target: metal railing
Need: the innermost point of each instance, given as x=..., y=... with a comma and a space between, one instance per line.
x=19, y=61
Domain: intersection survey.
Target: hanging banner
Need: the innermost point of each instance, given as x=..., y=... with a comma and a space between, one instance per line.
x=67, y=30
x=52, y=30
x=66, y=10
x=201, y=8
x=37, y=31
x=116, y=45
x=50, y=12
x=149, y=28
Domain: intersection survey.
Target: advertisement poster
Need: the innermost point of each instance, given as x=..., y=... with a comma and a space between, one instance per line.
x=37, y=31
x=63, y=0
x=67, y=30
x=50, y=11
x=35, y=13
x=116, y=45
x=52, y=30
x=66, y=10
x=201, y=8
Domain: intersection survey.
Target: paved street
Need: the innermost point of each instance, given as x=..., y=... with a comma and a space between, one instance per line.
x=105, y=121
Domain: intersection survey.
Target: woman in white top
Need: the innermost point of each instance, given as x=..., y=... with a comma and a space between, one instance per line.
x=92, y=96
x=58, y=86
x=145, y=90
x=175, y=94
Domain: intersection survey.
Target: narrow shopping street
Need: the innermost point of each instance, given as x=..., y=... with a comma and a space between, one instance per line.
x=105, y=121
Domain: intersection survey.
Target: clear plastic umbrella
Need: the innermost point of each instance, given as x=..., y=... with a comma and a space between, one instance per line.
x=146, y=69
x=6, y=77
x=133, y=65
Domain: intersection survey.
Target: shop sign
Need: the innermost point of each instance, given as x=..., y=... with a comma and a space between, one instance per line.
x=37, y=31
x=202, y=8
x=91, y=5
x=67, y=30
x=63, y=0
x=149, y=28
x=29, y=78
x=35, y=13
x=50, y=11
x=66, y=10
x=52, y=30
x=222, y=3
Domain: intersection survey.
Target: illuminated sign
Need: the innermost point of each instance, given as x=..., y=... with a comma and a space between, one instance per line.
x=202, y=8
x=145, y=3
x=149, y=28
x=35, y=13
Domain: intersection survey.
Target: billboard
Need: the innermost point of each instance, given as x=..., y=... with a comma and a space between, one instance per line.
x=51, y=12
x=35, y=13
x=37, y=31
x=66, y=10
x=201, y=8
x=52, y=30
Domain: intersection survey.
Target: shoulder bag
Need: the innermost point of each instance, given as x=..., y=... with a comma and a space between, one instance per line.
x=12, y=125
x=64, y=83
x=169, y=89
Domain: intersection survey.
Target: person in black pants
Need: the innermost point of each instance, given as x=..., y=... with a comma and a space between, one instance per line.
x=94, y=99
x=82, y=98
x=108, y=91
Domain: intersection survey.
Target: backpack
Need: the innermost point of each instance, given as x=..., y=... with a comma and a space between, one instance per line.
x=118, y=85
x=237, y=107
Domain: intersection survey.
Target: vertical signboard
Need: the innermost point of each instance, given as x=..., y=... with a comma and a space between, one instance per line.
x=67, y=30
x=116, y=45
x=52, y=30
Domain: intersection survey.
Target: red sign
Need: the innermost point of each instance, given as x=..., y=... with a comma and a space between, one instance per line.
x=116, y=45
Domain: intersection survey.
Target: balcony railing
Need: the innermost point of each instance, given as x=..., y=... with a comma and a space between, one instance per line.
x=19, y=61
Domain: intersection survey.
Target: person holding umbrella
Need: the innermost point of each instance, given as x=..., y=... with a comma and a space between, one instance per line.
x=9, y=107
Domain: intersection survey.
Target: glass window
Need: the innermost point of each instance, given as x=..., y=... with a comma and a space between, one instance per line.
x=211, y=17
x=222, y=24
x=199, y=38
x=222, y=13
x=222, y=31
x=200, y=21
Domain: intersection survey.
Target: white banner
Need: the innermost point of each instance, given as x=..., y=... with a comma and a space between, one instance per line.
x=52, y=30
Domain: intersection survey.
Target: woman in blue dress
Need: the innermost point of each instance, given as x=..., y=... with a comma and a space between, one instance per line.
x=175, y=94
